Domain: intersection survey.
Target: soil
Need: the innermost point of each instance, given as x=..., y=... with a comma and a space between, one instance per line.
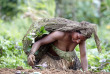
x=45, y=71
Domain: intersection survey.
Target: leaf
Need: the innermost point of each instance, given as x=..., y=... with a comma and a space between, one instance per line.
x=45, y=32
x=42, y=31
x=42, y=28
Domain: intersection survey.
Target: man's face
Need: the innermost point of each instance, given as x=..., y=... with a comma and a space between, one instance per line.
x=77, y=37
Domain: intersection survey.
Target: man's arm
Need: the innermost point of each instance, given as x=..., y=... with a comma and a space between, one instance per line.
x=46, y=40
x=84, y=61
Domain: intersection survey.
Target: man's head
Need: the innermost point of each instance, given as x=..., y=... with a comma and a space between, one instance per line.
x=77, y=37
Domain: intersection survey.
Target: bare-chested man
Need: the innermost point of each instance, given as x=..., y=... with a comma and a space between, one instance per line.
x=64, y=42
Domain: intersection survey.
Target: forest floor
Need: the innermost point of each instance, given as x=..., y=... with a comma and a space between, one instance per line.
x=45, y=71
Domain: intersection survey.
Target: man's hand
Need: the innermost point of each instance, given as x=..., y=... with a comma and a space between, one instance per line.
x=31, y=59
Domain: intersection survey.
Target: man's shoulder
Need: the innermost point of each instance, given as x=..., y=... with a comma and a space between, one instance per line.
x=58, y=34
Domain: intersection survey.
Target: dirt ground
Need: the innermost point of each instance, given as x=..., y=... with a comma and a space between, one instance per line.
x=45, y=71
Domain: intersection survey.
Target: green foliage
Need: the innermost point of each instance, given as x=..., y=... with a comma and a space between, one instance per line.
x=13, y=59
x=42, y=31
x=105, y=12
x=46, y=7
x=11, y=52
x=95, y=11
x=86, y=10
x=9, y=8
x=98, y=60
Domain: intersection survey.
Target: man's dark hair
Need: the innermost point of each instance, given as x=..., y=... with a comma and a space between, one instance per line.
x=78, y=31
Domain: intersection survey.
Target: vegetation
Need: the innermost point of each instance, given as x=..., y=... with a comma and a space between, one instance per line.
x=17, y=15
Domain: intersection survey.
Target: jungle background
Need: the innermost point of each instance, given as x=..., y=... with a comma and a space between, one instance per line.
x=17, y=15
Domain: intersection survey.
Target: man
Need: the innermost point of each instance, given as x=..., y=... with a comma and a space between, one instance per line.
x=64, y=37
x=65, y=41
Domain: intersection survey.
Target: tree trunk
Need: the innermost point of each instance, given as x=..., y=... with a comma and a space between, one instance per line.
x=65, y=8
